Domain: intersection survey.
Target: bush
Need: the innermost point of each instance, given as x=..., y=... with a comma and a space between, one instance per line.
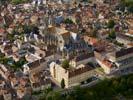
x=112, y=34
x=19, y=1
x=119, y=44
x=111, y=24
x=128, y=4
x=68, y=21
x=63, y=83
x=65, y=64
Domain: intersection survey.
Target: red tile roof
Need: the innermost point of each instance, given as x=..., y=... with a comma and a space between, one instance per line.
x=130, y=32
x=2, y=30
x=90, y=40
x=107, y=63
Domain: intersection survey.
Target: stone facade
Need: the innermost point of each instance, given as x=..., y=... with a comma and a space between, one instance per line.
x=72, y=76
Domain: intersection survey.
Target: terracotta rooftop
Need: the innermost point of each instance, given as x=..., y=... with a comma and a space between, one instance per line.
x=130, y=44
x=130, y=32
x=107, y=63
x=2, y=30
x=90, y=40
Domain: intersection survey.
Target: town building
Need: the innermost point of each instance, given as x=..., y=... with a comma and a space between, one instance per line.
x=72, y=76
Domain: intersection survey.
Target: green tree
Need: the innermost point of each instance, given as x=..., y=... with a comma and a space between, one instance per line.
x=53, y=96
x=80, y=93
x=21, y=62
x=130, y=82
x=112, y=34
x=128, y=4
x=45, y=93
x=48, y=90
x=111, y=24
x=123, y=84
x=3, y=2
x=115, y=85
x=27, y=28
x=68, y=21
x=65, y=64
x=68, y=97
x=63, y=83
x=17, y=65
x=10, y=37
x=19, y=1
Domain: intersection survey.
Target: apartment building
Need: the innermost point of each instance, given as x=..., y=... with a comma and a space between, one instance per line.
x=115, y=59
x=34, y=67
x=123, y=58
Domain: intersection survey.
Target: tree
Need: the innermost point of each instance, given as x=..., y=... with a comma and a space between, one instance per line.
x=128, y=4
x=79, y=93
x=10, y=37
x=111, y=24
x=17, y=65
x=68, y=97
x=65, y=64
x=130, y=82
x=123, y=84
x=115, y=84
x=47, y=94
x=48, y=90
x=112, y=34
x=3, y=2
x=53, y=96
x=78, y=21
x=27, y=28
x=21, y=62
x=118, y=43
x=68, y=21
x=19, y=1
x=63, y=83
